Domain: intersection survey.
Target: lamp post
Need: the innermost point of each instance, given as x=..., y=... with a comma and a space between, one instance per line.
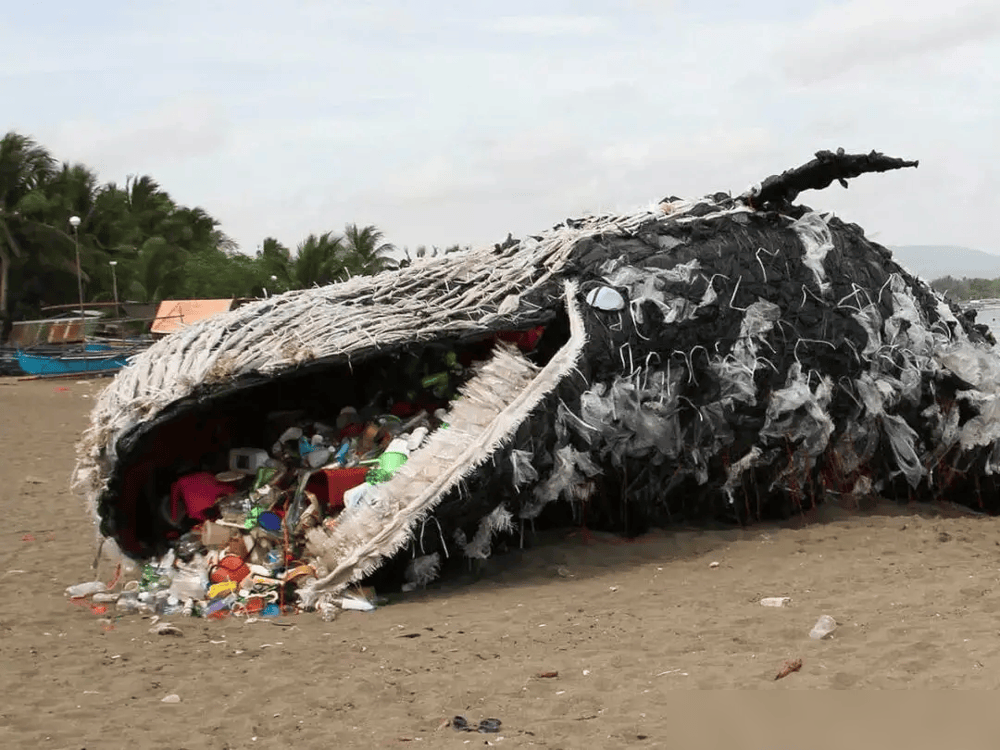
x=114, y=282
x=74, y=221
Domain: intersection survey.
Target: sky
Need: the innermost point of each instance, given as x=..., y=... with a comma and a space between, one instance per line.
x=444, y=122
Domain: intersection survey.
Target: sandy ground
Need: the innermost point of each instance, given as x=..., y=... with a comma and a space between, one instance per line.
x=630, y=628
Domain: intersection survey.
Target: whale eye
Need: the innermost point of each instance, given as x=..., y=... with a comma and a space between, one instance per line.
x=605, y=298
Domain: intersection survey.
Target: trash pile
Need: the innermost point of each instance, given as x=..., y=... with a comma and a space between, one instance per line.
x=237, y=537
x=731, y=358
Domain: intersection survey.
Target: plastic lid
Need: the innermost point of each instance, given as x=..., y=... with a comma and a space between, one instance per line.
x=269, y=521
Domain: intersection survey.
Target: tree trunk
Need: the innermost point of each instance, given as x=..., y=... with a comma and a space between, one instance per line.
x=4, y=275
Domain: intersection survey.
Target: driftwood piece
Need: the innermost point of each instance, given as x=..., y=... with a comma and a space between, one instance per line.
x=778, y=191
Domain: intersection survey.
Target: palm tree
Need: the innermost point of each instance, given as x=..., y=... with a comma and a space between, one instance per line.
x=73, y=190
x=148, y=205
x=162, y=249
x=156, y=272
x=172, y=244
x=24, y=168
x=318, y=261
x=274, y=262
x=365, y=252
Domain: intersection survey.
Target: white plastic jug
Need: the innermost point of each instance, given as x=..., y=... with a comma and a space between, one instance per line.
x=247, y=460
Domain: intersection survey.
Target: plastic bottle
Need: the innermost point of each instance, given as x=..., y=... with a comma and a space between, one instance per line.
x=189, y=582
x=416, y=438
x=128, y=602
x=274, y=561
x=154, y=578
x=221, y=605
x=86, y=589
x=160, y=599
x=188, y=546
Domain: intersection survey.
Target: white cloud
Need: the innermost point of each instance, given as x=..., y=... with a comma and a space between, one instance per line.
x=860, y=33
x=549, y=25
x=177, y=130
x=537, y=177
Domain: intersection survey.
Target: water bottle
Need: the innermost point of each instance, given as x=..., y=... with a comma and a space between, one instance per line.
x=154, y=578
x=274, y=561
x=160, y=601
x=128, y=602
x=188, y=546
x=85, y=589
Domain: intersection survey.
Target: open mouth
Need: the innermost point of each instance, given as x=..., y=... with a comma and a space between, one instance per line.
x=494, y=402
x=401, y=428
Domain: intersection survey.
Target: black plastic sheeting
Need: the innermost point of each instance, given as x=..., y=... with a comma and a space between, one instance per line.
x=750, y=258
x=640, y=463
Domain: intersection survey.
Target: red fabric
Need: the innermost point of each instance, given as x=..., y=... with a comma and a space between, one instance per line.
x=329, y=485
x=352, y=430
x=403, y=409
x=525, y=340
x=199, y=493
x=192, y=437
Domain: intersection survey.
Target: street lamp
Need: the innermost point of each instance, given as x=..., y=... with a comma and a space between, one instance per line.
x=114, y=282
x=74, y=221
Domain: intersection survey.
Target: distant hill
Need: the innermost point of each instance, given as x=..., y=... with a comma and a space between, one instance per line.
x=934, y=261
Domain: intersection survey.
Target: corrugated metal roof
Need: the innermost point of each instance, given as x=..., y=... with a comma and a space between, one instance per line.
x=173, y=314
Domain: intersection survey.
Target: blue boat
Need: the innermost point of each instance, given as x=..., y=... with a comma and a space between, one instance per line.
x=93, y=358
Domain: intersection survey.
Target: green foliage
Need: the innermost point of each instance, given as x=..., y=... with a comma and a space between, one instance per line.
x=162, y=250
x=366, y=252
x=967, y=289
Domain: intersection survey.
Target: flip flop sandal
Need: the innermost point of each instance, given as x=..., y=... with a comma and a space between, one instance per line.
x=486, y=726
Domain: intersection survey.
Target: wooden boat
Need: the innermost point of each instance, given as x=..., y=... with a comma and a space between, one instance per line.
x=74, y=343
x=90, y=359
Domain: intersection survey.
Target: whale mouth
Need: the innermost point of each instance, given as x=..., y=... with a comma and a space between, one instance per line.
x=490, y=383
x=493, y=404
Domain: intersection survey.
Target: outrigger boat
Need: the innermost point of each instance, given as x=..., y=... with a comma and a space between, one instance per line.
x=92, y=358
x=73, y=344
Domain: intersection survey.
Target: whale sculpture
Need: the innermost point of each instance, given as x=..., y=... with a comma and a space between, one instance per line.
x=732, y=358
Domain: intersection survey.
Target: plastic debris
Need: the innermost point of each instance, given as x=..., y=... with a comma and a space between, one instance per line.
x=605, y=298
x=776, y=601
x=165, y=628
x=823, y=628
x=85, y=589
x=792, y=665
x=356, y=603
